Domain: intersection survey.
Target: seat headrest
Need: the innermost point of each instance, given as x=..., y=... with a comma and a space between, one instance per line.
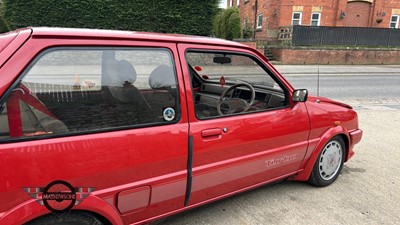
x=162, y=77
x=118, y=73
x=126, y=72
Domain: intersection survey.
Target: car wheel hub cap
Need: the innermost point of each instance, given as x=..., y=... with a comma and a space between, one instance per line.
x=329, y=162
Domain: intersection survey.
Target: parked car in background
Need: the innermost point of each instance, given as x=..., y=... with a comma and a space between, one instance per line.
x=118, y=127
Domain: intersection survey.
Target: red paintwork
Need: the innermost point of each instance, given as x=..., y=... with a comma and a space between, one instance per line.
x=148, y=166
x=8, y=50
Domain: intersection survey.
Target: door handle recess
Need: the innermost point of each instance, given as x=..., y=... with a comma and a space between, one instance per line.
x=214, y=132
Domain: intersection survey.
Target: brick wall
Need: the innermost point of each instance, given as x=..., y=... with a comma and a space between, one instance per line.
x=341, y=56
x=252, y=44
x=278, y=13
x=358, y=14
x=383, y=10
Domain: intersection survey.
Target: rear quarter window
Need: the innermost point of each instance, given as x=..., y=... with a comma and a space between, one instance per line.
x=72, y=90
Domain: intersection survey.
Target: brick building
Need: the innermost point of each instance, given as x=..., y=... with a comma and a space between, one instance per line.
x=265, y=18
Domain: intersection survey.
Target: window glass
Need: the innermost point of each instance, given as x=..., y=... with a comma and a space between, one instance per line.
x=394, y=21
x=296, y=20
x=259, y=21
x=315, y=19
x=247, y=86
x=81, y=90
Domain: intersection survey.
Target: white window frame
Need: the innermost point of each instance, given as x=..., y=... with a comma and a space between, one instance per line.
x=396, y=25
x=315, y=20
x=301, y=16
x=230, y=3
x=258, y=21
x=237, y=2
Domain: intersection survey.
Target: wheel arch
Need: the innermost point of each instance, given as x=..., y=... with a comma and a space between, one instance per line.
x=103, y=219
x=70, y=213
x=31, y=210
x=346, y=140
x=340, y=131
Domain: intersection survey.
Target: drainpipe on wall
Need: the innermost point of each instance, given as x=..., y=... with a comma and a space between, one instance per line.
x=255, y=19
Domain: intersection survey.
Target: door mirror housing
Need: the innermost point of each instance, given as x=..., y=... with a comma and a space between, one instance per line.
x=300, y=95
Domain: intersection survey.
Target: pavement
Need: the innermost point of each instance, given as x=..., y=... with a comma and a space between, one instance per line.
x=366, y=192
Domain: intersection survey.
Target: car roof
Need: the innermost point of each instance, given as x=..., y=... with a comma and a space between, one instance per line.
x=132, y=35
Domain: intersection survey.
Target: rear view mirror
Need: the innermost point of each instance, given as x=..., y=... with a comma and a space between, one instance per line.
x=300, y=95
x=222, y=60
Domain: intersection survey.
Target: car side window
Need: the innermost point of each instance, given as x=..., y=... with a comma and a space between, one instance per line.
x=92, y=89
x=227, y=84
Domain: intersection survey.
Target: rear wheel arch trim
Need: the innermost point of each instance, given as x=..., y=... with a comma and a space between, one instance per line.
x=31, y=210
x=87, y=215
x=98, y=206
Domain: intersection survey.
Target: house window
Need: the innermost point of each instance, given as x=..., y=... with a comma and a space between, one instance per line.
x=394, y=21
x=296, y=19
x=237, y=2
x=315, y=19
x=259, y=21
x=230, y=3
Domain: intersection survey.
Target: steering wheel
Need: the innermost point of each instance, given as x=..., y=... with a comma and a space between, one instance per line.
x=235, y=105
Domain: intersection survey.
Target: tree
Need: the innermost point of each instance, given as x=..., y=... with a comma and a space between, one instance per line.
x=172, y=16
x=227, y=24
x=3, y=25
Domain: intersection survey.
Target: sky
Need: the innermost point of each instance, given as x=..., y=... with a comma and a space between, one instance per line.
x=222, y=4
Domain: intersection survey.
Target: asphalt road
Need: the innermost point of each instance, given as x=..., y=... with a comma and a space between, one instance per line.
x=348, y=87
x=366, y=192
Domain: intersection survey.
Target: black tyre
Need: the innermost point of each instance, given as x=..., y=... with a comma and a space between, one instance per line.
x=67, y=218
x=329, y=163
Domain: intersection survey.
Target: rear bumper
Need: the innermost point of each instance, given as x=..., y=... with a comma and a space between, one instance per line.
x=355, y=137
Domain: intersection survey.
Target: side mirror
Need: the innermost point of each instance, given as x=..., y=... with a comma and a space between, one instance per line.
x=300, y=95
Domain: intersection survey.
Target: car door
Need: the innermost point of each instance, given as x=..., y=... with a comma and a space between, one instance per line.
x=95, y=113
x=238, y=150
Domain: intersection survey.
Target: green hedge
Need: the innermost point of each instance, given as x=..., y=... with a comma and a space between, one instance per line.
x=227, y=24
x=173, y=16
x=3, y=27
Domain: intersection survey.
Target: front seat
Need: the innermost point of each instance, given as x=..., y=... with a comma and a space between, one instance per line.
x=162, y=77
x=122, y=78
x=163, y=84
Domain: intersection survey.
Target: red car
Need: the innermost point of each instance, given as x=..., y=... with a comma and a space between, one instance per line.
x=118, y=127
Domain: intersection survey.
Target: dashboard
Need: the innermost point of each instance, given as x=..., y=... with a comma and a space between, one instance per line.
x=208, y=95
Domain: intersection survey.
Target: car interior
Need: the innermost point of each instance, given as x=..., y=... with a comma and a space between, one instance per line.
x=53, y=108
x=61, y=109
x=213, y=99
